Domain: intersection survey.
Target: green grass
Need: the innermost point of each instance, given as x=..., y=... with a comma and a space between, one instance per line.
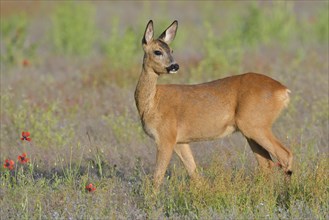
x=14, y=37
x=224, y=192
x=121, y=48
x=73, y=30
x=44, y=121
x=276, y=24
x=77, y=100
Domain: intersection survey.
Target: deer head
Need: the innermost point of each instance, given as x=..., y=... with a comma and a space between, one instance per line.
x=157, y=53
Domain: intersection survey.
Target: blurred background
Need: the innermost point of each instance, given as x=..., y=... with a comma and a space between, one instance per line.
x=69, y=71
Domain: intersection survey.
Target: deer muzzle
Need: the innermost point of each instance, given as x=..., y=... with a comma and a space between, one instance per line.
x=173, y=68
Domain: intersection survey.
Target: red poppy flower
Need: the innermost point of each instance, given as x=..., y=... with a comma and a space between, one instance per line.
x=26, y=62
x=23, y=159
x=90, y=188
x=9, y=164
x=25, y=136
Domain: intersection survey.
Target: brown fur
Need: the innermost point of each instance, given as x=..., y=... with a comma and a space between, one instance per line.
x=175, y=115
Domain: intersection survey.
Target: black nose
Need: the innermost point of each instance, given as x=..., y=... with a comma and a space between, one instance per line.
x=176, y=66
x=173, y=67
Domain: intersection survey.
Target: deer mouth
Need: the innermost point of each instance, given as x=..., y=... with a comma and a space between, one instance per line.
x=173, y=68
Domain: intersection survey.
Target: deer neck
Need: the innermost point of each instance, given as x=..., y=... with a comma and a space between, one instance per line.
x=146, y=90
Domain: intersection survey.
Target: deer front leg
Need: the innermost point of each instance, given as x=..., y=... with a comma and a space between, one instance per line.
x=164, y=153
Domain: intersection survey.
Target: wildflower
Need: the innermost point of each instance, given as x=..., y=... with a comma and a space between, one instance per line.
x=23, y=159
x=26, y=62
x=25, y=136
x=90, y=188
x=9, y=164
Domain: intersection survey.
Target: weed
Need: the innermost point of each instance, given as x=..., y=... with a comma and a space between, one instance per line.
x=73, y=30
x=14, y=38
x=71, y=171
x=45, y=124
x=122, y=50
x=263, y=26
x=317, y=24
x=321, y=25
x=223, y=55
x=123, y=127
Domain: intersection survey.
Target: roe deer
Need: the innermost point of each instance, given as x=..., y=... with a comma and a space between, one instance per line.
x=175, y=115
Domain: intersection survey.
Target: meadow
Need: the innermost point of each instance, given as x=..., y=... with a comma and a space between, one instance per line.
x=68, y=74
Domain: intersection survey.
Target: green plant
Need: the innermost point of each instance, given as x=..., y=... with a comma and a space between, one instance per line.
x=73, y=28
x=124, y=127
x=44, y=123
x=321, y=27
x=122, y=49
x=14, y=37
x=268, y=24
x=71, y=170
x=223, y=55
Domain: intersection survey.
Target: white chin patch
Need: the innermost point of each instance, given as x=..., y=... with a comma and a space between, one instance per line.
x=173, y=71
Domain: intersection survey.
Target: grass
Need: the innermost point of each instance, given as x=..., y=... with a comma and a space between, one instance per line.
x=76, y=98
x=14, y=35
x=225, y=192
x=73, y=30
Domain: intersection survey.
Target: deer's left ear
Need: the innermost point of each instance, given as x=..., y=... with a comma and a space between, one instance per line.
x=169, y=34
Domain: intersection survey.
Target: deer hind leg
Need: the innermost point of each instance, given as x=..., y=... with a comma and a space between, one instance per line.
x=263, y=157
x=185, y=154
x=266, y=139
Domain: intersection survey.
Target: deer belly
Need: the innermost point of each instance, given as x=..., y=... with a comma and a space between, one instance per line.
x=199, y=130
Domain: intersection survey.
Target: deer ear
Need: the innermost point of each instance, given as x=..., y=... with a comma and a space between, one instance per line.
x=148, y=35
x=169, y=34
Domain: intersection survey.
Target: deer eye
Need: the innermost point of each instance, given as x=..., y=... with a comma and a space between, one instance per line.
x=158, y=52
